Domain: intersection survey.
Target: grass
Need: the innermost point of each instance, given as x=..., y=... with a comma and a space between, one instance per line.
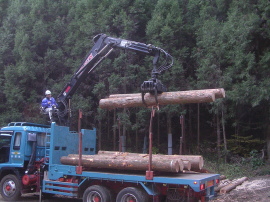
x=244, y=168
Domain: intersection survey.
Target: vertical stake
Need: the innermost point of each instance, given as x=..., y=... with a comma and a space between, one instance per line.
x=149, y=173
x=79, y=167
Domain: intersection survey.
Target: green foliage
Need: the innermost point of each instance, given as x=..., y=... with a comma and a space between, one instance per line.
x=250, y=166
x=244, y=145
x=231, y=171
x=256, y=160
x=215, y=44
x=155, y=150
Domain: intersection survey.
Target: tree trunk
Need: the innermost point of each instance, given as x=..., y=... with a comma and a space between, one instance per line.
x=190, y=128
x=125, y=156
x=224, y=132
x=124, y=138
x=131, y=163
x=218, y=137
x=136, y=136
x=99, y=134
x=178, y=97
x=232, y=185
x=119, y=136
x=184, y=135
x=114, y=129
x=158, y=129
x=169, y=132
x=196, y=161
x=108, y=126
x=198, y=128
x=268, y=142
x=187, y=165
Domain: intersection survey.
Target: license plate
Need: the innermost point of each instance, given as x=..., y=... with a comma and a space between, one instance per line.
x=210, y=183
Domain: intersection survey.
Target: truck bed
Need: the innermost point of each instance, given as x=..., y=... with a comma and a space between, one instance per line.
x=194, y=180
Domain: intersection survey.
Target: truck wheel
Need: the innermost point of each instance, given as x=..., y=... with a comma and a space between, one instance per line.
x=10, y=188
x=132, y=194
x=97, y=193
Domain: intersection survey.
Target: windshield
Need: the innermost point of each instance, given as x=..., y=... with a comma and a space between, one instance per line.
x=5, y=139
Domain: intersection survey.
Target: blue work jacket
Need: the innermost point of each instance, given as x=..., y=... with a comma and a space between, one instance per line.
x=48, y=102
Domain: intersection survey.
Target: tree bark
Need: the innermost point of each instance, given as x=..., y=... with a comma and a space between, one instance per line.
x=218, y=136
x=169, y=132
x=99, y=135
x=190, y=126
x=114, y=129
x=224, y=132
x=178, y=97
x=141, y=157
x=187, y=165
x=131, y=163
x=232, y=185
x=198, y=128
x=196, y=161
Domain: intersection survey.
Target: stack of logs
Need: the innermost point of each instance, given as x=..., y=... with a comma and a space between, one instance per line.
x=136, y=161
x=226, y=185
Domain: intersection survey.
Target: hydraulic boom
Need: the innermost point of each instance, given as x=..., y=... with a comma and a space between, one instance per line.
x=103, y=46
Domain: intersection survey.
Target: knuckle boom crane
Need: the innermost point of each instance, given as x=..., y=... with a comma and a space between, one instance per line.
x=103, y=46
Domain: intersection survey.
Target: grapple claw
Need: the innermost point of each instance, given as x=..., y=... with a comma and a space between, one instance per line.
x=154, y=87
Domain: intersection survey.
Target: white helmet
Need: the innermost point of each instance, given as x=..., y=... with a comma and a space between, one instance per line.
x=48, y=92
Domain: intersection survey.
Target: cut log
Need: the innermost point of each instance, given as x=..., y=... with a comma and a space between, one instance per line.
x=187, y=165
x=196, y=161
x=178, y=97
x=129, y=158
x=95, y=162
x=222, y=177
x=222, y=184
x=232, y=185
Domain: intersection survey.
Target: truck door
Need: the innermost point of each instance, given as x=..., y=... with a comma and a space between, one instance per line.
x=5, y=141
x=17, y=148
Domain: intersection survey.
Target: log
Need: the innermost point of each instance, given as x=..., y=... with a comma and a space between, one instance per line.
x=132, y=158
x=222, y=184
x=95, y=162
x=187, y=165
x=232, y=185
x=196, y=161
x=222, y=177
x=177, y=97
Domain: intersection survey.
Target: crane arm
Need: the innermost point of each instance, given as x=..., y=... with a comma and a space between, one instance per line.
x=103, y=46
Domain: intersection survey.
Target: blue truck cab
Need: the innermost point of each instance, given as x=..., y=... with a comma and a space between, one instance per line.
x=30, y=161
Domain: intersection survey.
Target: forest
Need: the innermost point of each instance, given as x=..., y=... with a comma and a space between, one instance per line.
x=215, y=44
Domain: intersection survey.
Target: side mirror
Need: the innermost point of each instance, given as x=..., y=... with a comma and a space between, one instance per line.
x=32, y=137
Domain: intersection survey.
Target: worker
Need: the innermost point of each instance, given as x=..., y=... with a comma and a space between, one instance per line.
x=49, y=104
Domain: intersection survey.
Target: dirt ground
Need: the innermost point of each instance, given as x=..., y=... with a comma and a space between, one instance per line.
x=254, y=189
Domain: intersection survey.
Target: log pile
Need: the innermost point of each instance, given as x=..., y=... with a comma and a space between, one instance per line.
x=187, y=162
x=166, y=98
x=226, y=185
x=135, y=161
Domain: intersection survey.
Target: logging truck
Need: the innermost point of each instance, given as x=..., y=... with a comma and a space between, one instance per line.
x=31, y=158
x=52, y=160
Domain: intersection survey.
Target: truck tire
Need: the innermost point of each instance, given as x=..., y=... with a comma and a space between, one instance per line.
x=10, y=188
x=132, y=194
x=97, y=193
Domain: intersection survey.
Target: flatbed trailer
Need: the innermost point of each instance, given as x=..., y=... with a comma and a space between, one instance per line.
x=47, y=175
x=200, y=185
